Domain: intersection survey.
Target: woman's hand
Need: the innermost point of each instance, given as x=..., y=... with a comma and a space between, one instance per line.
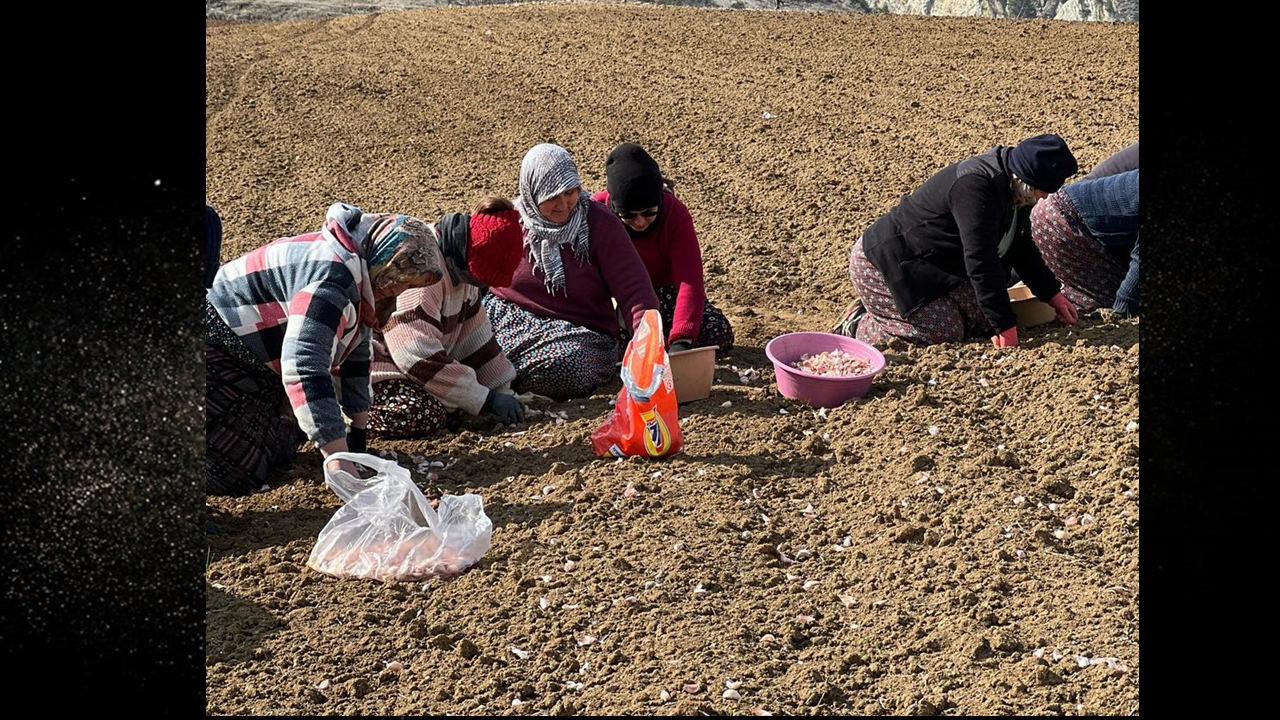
x=1063, y=310
x=506, y=407
x=338, y=446
x=1008, y=338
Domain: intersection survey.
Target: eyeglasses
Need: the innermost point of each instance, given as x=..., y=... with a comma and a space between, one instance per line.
x=638, y=213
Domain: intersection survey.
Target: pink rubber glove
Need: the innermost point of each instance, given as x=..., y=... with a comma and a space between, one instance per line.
x=1064, y=310
x=1008, y=338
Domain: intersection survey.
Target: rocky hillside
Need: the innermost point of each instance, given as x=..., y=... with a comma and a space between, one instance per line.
x=1080, y=10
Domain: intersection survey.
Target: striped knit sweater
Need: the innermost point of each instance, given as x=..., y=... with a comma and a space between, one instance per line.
x=440, y=337
x=295, y=303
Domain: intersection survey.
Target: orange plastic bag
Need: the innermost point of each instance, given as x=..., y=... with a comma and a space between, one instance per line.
x=645, y=419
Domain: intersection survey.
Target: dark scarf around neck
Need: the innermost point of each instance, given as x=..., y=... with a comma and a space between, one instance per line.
x=454, y=230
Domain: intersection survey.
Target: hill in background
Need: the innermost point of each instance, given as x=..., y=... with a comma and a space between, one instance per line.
x=1078, y=10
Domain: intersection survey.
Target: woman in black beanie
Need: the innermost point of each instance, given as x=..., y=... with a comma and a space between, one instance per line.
x=662, y=229
x=936, y=267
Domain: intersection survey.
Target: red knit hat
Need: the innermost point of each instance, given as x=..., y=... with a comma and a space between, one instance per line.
x=497, y=244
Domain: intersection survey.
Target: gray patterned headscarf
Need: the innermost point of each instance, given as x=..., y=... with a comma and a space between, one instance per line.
x=546, y=171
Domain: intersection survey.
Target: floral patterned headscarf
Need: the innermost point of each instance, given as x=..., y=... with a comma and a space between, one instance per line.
x=387, y=249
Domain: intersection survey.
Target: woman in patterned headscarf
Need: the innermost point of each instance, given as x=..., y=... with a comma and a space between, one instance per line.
x=293, y=320
x=556, y=321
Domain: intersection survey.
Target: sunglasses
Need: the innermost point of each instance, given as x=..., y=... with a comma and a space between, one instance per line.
x=638, y=213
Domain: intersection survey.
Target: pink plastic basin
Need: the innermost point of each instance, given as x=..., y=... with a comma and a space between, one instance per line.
x=820, y=390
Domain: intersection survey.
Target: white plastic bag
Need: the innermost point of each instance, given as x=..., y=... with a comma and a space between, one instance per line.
x=388, y=530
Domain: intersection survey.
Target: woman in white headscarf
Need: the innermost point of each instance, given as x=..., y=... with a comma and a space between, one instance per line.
x=556, y=321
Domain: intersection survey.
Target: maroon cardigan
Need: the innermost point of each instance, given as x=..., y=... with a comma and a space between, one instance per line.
x=612, y=270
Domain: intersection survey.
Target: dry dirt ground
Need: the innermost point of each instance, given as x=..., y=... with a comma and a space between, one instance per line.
x=962, y=541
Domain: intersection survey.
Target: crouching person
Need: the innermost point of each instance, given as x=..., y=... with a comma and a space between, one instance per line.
x=437, y=353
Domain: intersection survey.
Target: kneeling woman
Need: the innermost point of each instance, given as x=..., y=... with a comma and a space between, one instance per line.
x=556, y=322
x=662, y=229
x=436, y=355
x=292, y=321
x=936, y=267
x=1087, y=233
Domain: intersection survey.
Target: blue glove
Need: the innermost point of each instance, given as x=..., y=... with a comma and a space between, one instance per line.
x=508, y=409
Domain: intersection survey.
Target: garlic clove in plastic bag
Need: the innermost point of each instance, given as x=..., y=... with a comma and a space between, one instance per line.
x=387, y=529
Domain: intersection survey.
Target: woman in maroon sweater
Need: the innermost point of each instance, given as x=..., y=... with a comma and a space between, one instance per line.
x=662, y=229
x=556, y=321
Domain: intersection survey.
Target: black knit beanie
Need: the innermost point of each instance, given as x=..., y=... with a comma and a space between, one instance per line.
x=632, y=179
x=1044, y=162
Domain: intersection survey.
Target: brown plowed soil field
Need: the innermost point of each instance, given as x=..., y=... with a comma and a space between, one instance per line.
x=961, y=541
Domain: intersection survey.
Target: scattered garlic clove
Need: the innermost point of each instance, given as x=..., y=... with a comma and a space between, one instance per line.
x=692, y=688
x=664, y=696
x=731, y=695
x=733, y=684
x=522, y=654
x=395, y=666
x=570, y=566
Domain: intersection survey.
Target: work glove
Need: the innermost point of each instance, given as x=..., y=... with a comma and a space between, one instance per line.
x=1063, y=310
x=680, y=346
x=358, y=440
x=508, y=409
x=1008, y=338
